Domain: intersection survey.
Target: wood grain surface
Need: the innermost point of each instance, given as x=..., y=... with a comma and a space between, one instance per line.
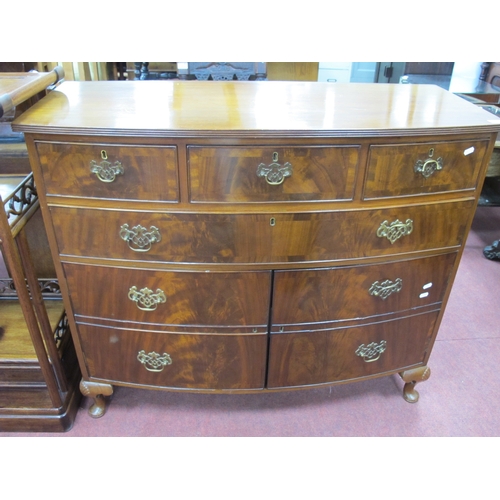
x=145, y=108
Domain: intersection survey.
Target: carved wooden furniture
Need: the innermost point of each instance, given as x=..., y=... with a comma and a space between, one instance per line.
x=142, y=71
x=39, y=371
x=221, y=70
x=38, y=365
x=241, y=237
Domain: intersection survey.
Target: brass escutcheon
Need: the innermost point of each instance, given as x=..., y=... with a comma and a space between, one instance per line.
x=146, y=299
x=395, y=230
x=386, y=288
x=372, y=351
x=153, y=361
x=139, y=238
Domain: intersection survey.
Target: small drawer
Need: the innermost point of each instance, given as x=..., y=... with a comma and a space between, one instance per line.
x=211, y=362
x=299, y=359
x=414, y=169
x=110, y=171
x=258, y=238
x=324, y=296
x=267, y=174
x=170, y=298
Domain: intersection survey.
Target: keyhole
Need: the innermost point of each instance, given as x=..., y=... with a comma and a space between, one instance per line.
x=431, y=152
x=272, y=221
x=104, y=155
x=275, y=157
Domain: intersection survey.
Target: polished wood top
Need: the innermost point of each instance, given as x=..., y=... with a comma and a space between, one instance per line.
x=251, y=109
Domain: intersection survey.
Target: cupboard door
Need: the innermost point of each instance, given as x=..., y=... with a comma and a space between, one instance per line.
x=170, y=298
x=306, y=297
x=321, y=357
x=191, y=361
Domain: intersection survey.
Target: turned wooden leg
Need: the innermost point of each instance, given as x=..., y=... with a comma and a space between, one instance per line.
x=412, y=377
x=97, y=391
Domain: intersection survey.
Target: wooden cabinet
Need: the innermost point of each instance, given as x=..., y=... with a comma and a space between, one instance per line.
x=251, y=236
x=39, y=373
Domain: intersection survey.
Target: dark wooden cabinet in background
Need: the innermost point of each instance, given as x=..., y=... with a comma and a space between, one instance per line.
x=250, y=236
x=39, y=372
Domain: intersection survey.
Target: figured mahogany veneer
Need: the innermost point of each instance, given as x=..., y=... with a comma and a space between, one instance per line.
x=209, y=299
x=205, y=362
x=249, y=236
x=310, y=358
x=387, y=174
x=228, y=174
x=151, y=172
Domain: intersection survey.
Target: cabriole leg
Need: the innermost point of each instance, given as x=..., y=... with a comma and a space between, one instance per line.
x=97, y=391
x=412, y=377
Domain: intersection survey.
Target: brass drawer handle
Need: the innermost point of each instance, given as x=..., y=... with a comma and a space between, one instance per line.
x=139, y=238
x=154, y=362
x=386, y=288
x=395, y=230
x=146, y=299
x=429, y=166
x=371, y=352
x=105, y=171
x=274, y=173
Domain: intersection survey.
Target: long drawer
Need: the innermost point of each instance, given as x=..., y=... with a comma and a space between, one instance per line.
x=170, y=298
x=305, y=297
x=258, y=238
x=258, y=174
x=110, y=171
x=212, y=362
x=298, y=359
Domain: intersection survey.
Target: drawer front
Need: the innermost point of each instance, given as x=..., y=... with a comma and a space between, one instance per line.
x=314, y=296
x=170, y=298
x=299, y=359
x=213, y=362
x=413, y=169
x=258, y=238
x=110, y=171
x=225, y=174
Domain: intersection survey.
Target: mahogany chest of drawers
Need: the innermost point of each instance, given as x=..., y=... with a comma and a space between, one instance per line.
x=250, y=236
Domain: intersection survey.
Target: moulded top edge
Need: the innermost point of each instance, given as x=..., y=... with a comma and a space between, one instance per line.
x=156, y=108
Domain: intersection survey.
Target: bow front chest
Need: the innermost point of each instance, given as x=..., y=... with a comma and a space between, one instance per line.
x=251, y=236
